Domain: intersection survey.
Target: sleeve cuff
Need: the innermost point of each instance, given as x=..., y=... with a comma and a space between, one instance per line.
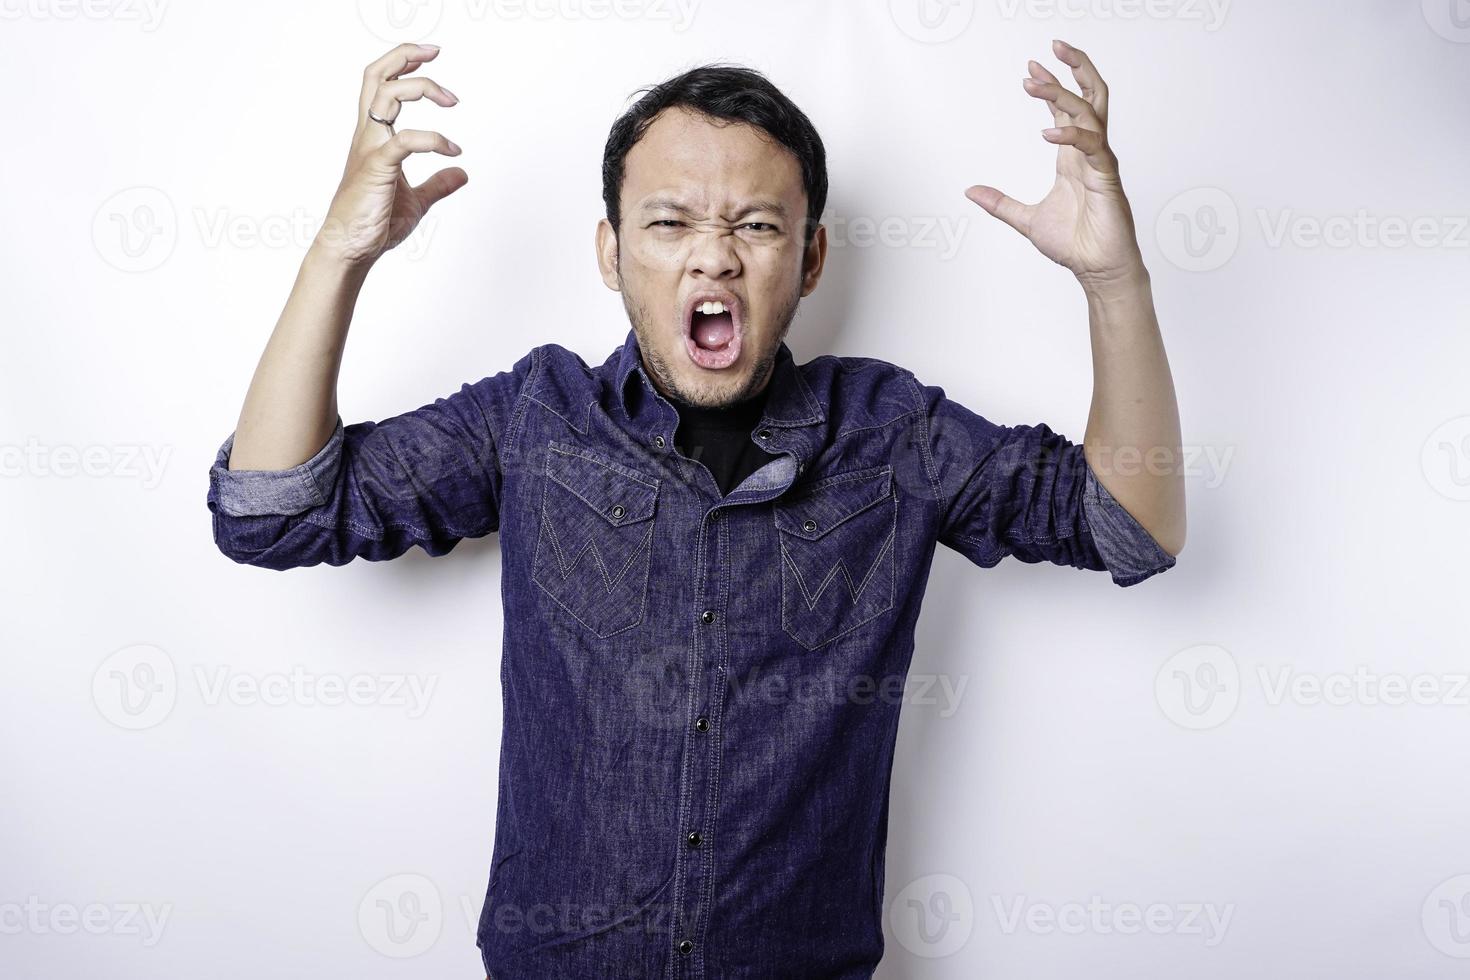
x=1129, y=551
x=253, y=493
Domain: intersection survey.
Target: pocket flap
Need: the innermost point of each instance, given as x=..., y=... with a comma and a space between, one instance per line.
x=622, y=496
x=833, y=501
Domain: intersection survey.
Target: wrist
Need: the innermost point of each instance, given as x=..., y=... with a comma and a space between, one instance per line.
x=1127, y=282
x=330, y=262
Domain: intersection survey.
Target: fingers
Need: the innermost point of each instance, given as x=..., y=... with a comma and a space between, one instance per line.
x=1066, y=102
x=400, y=61
x=409, y=141
x=440, y=186
x=393, y=93
x=1081, y=121
x=1090, y=142
x=1094, y=89
x=1007, y=209
x=1039, y=72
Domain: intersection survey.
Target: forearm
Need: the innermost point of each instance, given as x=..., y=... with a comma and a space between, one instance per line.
x=1133, y=441
x=290, y=408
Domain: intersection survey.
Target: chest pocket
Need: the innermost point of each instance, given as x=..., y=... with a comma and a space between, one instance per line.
x=596, y=535
x=837, y=565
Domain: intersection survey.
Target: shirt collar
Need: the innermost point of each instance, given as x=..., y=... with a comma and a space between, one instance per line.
x=789, y=401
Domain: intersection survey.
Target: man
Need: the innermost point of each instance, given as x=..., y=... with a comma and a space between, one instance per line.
x=714, y=557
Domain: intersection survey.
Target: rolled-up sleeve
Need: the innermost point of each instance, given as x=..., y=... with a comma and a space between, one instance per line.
x=255, y=493
x=1129, y=551
x=430, y=477
x=1027, y=491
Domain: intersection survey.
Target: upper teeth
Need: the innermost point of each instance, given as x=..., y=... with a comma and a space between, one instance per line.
x=709, y=309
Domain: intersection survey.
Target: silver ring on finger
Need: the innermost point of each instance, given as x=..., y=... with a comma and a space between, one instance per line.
x=386, y=122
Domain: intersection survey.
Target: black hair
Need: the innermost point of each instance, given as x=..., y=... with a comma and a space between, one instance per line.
x=721, y=91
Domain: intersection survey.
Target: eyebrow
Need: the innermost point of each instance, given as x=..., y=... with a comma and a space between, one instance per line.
x=670, y=204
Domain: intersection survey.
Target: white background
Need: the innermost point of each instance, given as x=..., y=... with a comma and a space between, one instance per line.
x=1275, y=155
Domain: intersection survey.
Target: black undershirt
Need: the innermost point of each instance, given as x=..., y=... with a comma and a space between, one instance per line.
x=720, y=438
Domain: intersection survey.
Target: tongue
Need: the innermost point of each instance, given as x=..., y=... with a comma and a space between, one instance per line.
x=713, y=332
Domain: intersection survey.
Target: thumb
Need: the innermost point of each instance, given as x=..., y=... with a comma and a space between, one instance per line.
x=1007, y=209
x=440, y=186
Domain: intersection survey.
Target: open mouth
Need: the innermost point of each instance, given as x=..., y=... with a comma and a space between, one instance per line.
x=714, y=324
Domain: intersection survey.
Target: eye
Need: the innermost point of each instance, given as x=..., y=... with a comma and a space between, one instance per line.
x=665, y=223
x=759, y=226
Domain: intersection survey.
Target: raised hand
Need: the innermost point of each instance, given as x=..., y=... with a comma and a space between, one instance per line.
x=375, y=207
x=1084, y=223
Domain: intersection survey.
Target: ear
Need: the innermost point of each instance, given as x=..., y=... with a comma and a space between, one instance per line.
x=607, y=254
x=813, y=261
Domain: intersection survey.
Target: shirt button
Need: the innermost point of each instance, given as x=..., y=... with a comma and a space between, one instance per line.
x=808, y=526
x=708, y=616
x=701, y=724
x=658, y=441
x=686, y=947
x=694, y=838
x=617, y=512
x=763, y=434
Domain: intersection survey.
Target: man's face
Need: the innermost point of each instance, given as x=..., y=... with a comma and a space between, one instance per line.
x=712, y=211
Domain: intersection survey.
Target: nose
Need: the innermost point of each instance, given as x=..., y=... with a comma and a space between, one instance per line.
x=714, y=256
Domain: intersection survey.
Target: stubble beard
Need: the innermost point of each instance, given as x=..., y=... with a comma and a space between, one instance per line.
x=707, y=397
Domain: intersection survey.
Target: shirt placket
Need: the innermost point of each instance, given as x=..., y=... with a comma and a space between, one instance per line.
x=699, y=777
x=709, y=662
x=707, y=666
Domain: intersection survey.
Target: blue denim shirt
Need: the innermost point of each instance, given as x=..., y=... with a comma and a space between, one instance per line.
x=699, y=690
